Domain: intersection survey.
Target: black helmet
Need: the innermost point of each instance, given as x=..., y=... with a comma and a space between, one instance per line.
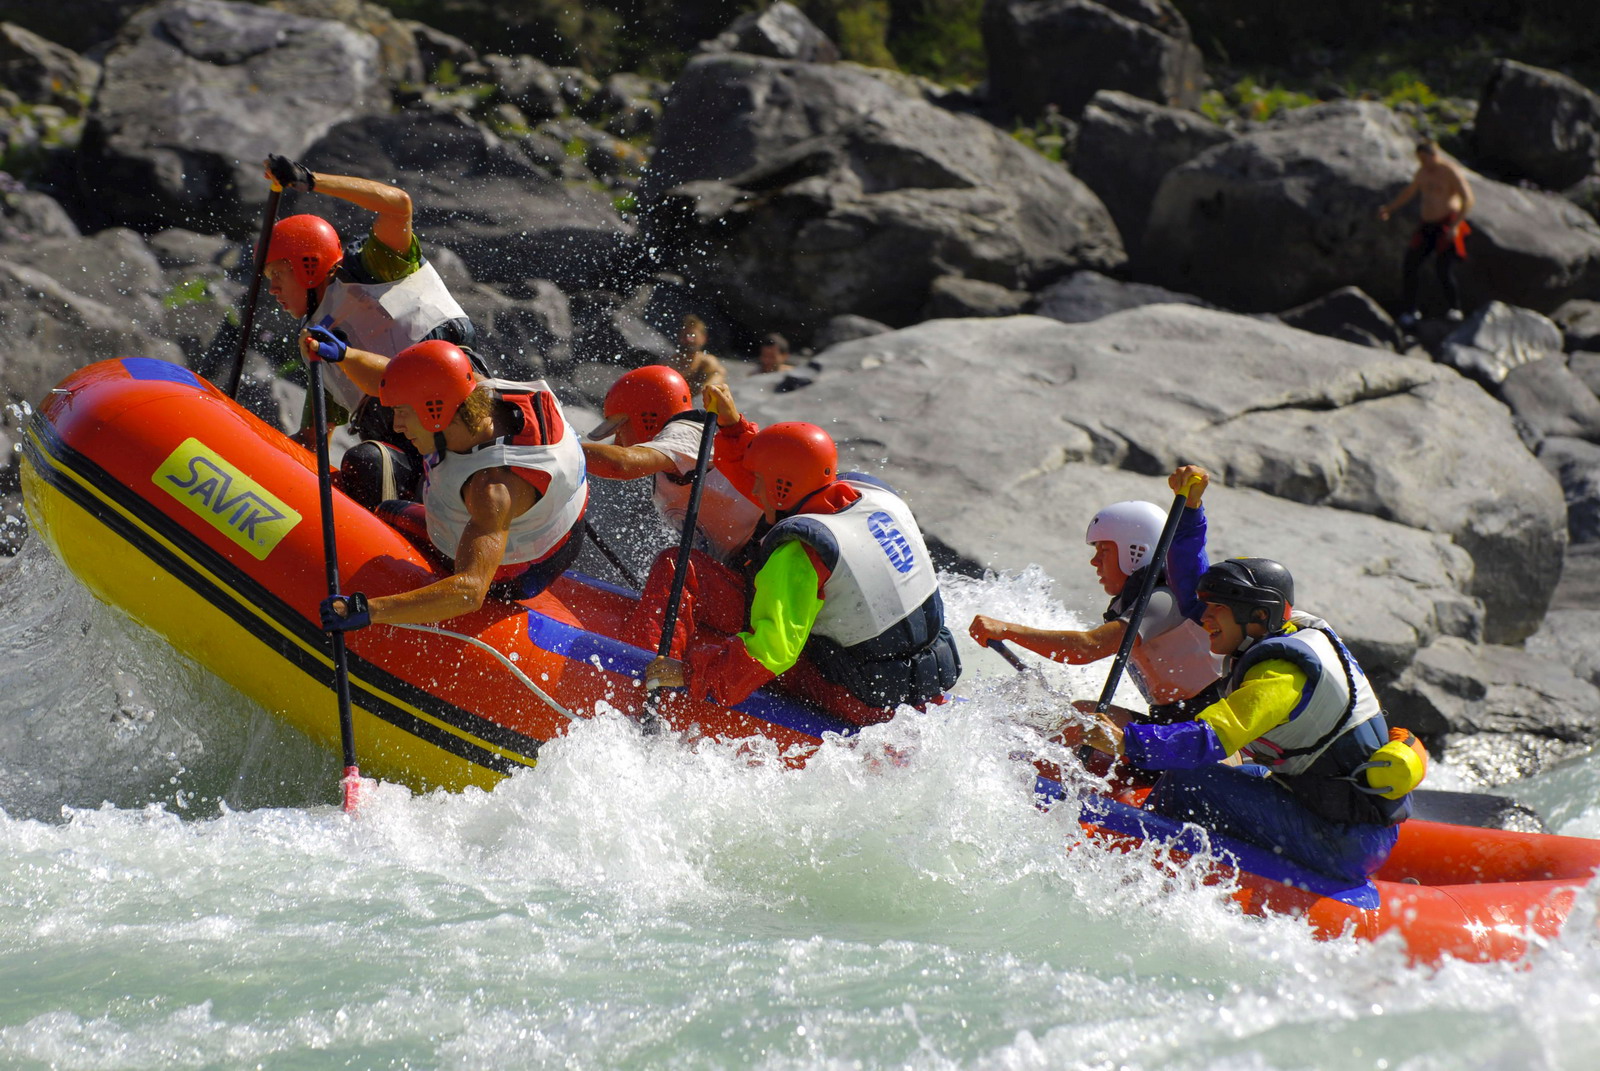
x=1248, y=584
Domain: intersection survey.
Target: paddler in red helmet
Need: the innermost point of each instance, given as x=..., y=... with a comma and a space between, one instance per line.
x=655, y=432
x=376, y=301
x=505, y=492
x=842, y=576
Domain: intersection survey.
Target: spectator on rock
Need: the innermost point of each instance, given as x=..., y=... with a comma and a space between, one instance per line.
x=691, y=360
x=1446, y=201
x=774, y=354
x=775, y=359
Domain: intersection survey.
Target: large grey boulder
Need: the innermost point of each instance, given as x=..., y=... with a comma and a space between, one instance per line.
x=114, y=267
x=43, y=72
x=1061, y=52
x=1537, y=124
x=1547, y=399
x=1575, y=463
x=53, y=330
x=28, y=215
x=1304, y=418
x=525, y=337
x=1126, y=146
x=1498, y=338
x=728, y=114
x=1289, y=212
x=780, y=31
x=477, y=195
x=1580, y=325
x=855, y=199
x=196, y=93
x=1349, y=315
x=1089, y=295
x=1455, y=688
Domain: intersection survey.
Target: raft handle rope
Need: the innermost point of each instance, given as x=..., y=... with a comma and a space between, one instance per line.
x=512, y=666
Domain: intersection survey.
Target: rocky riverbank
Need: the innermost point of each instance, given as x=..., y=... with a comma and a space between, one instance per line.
x=1010, y=339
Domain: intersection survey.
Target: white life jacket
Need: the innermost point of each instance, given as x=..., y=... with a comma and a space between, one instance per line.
x=881, y=572
x=881, y=632
x=1173, y=661
x=726, y=519
x=538, y=532
x=1338, y=697
x=383, y=318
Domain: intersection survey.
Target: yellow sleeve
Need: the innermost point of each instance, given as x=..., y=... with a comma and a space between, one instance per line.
x=783, y=607
x=1269, y=693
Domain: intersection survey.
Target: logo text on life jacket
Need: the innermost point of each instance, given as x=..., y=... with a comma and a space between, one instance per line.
x=227, y=499
x=892, y=540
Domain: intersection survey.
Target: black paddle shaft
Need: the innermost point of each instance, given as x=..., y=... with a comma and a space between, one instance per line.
x=248, y=321
x=1146, y=586
x=685, y=545
x=330, y=555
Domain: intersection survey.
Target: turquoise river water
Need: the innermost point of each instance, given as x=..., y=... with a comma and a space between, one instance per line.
x=179, y=890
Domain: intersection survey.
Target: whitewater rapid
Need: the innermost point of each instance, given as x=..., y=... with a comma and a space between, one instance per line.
x=180, y=891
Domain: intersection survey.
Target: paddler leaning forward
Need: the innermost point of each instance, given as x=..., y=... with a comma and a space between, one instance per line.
x=505, y=492
x=1171, y=662
x=1324, y=782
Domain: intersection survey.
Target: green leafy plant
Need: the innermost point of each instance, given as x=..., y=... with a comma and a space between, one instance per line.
x=189, y=292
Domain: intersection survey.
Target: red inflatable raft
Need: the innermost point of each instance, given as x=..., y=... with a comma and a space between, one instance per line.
x=171, y=502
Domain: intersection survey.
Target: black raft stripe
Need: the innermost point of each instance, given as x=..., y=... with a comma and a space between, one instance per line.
x=246, y=588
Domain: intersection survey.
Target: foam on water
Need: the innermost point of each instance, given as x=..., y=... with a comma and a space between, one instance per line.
x=647, y=902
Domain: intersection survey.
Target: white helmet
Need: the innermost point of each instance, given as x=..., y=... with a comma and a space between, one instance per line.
x=1135, y=527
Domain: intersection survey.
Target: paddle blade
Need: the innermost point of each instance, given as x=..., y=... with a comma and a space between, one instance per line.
x=350, y=783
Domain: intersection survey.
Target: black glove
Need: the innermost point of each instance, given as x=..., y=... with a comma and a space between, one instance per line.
x=330, y=347
x=290, y=174
x=355, y=613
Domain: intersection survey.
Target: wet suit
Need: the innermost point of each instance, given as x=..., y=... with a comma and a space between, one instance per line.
x=1448, y=250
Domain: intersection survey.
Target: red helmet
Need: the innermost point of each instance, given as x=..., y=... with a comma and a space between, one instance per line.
x=309, y=244
x=645, y=398
x=794, y=459
x=433, y=378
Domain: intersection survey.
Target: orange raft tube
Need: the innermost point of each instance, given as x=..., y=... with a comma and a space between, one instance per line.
x=174, y=504
x=1446, y=891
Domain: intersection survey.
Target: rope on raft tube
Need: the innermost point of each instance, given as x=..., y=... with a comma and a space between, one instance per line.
x=512, y=666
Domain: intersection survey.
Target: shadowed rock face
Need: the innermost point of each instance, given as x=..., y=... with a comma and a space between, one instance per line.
x=1126, y=146
x=1288, y=213
x=1537, y=124
x=1061, y=52
x=1358, y=432
x=198, y=92
x=810, y=192
x=506, y=217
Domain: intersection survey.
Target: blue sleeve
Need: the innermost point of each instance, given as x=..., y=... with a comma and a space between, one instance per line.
x=1186, y=560
x=1184, y=746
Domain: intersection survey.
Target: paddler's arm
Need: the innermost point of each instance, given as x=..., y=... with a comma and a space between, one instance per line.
x=494, y=497
x=612, y=462
x=733, y=437
x=1269, y=695
x=1186, y=559
x=783, y=608
x=1076, y=648
x=391, y=204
